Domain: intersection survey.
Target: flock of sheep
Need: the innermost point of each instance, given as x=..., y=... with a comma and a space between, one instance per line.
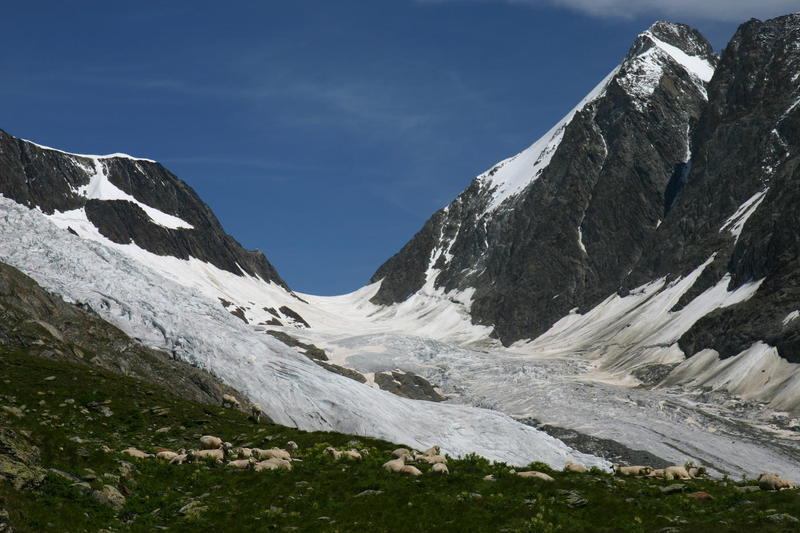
x=214, y=448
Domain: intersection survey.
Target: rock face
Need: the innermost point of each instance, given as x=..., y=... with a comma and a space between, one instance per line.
x=662, y=167
x=561, y=224
x=128, y=200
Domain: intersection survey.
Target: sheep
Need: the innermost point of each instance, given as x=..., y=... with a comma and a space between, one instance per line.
x=698, y=471
x=179, y=459
x=768, y=481
x=136, y=453
x=210, y=442
x=292, y=445
x=439, y=468
x=276, y=453
x=230, y=401
x=632, y=470
x=402, y=452
x=242, y=453
x=658, y=472
x=434, y=459
x=569, y=466
x=676, y=472
x=333, y=452
x=433, y=450
x=535, y=475
x=408, y=469
x=217, y=455
x=351, y=455
x=395, y=465
x=167, y=455
x=242, y=463
x=272, y=463
x=255, y=413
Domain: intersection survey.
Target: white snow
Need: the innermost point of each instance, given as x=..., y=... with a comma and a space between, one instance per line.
x=790, y=317
x=694, y=65
x=107, y=156
x=511, y=176
x=735, y=223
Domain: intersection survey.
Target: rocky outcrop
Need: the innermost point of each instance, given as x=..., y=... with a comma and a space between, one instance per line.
x=561, y=224
x=741, y=196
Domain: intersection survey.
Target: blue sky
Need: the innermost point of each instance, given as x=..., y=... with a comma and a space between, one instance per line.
x=323, y=133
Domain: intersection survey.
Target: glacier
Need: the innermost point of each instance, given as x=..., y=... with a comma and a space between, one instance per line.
x=291, y=389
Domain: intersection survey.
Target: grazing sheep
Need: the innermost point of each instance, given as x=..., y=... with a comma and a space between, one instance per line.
x=439, y=468
x=395, y=465
x=433, y=450
x=292, y=445
x=255, y=413
x=333, y=452
x=676, y=472
x=230, y=401
x=489, y=477
x=697, y=471
x=632, y=470
x=209, y=442
x=241, y=463
x=435, y=459
x=167, y=455
x=242, y=453
x=402, y=452
x=351, y=455
x=276, y=453
x=769, y=481
x=136, y=453
x=272, y=463
x=217, y=455
x=408, y=469
x=536, y=475
x=569, y=466
x=179, y=459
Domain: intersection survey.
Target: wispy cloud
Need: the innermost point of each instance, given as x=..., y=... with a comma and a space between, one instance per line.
x=725, y=10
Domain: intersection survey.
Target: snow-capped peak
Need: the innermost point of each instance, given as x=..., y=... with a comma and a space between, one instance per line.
x=107, y=156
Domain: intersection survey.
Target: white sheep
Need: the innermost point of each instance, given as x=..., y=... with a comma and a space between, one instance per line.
x=276, y=453
x=535, y=475
x=179, y=459
x=272, y=463
x=632, y=470
x=242, y=463
x=433, y=450
x=136, y=453
x=166, y=455
x=440, y=468
x=242, y=453
x=395, y=465
x=698, y=471
x=676, y=472
x=402, y=452
x=333, y=452
x=569, y=466
x=209, y=442
x=658, y=472
x=408, y=469
x=435, y=459
x=230, y=401
x=217, y=455
x=292, y=445
x=769, y=481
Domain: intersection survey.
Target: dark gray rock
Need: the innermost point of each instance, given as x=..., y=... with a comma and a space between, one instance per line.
x=407, y=385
